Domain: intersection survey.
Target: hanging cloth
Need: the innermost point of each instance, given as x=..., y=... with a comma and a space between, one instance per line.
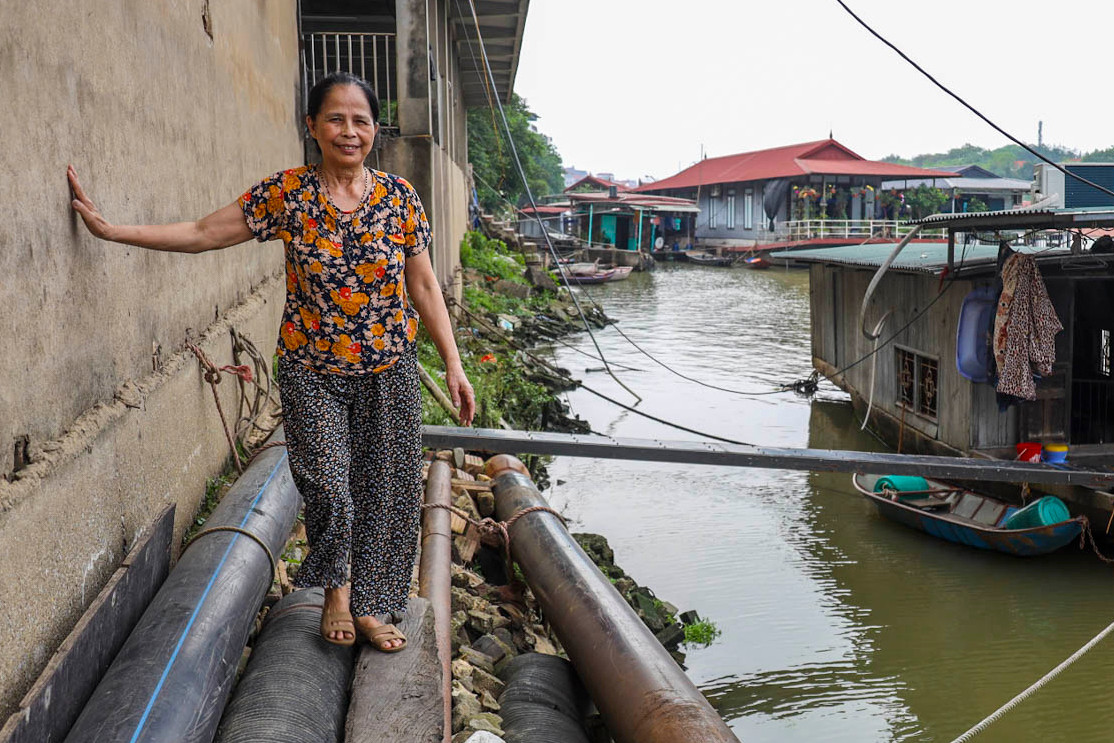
x=1025, y=328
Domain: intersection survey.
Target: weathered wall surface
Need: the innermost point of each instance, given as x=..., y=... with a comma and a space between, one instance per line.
x=163, y=123
x=837, y=295
x=432, y=151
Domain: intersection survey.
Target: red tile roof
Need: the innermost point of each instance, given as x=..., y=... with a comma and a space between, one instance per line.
x=592, y=180
x=823, y=157
x=630, y=199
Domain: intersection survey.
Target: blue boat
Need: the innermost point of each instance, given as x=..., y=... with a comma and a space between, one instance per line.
x=957, y=515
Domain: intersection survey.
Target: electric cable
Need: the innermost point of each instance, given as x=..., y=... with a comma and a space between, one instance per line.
x=969, y=107
x=530, y=192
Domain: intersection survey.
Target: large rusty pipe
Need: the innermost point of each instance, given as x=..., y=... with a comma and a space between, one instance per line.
x=640, y=691
x=434, y=575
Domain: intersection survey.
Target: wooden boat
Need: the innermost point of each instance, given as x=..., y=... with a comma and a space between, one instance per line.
x=957, y=515
x=755, y=261
x=704, y=259
x=621, y=273
x=599, y=277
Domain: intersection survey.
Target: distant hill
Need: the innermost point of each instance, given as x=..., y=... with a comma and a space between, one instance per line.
x=1010, y=161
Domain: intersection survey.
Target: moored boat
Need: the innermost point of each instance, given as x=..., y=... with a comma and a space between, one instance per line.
x=621, y=273
x=599, y=277
x=706, y=259
x=962, y=516
x=755, y=261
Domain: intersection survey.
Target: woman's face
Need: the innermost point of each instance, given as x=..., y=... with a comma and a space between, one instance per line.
x=344, y=128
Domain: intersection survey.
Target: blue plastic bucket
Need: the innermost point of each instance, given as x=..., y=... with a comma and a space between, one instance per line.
x=1043, y=512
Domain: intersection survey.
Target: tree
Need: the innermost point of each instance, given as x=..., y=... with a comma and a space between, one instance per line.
x=925, y=200
x=497, y=179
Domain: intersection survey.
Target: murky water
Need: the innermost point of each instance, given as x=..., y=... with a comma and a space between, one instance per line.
x=836, y=625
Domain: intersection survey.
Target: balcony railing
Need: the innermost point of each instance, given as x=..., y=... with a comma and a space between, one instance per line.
x=370, y=56
x=845, y=229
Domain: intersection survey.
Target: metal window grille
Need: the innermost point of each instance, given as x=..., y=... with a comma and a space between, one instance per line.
x=917, y=382
x=926, y=386
x=906, y=378
x=370, y=56
x=1104, y=353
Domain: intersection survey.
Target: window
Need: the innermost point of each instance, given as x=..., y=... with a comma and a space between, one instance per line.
x=748, y=209
x=730, y=210
x=712, y=204
x=1104, y=353
x=917, y=378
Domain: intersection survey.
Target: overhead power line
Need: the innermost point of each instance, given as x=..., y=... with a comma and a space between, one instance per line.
x=969, y=107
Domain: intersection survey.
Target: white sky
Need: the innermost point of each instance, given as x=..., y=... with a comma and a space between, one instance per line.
x=635, y=87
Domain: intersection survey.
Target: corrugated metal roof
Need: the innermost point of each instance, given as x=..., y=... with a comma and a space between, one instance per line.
x=916, y=257
x=823, y=157
x=1024, y=218
x=963, y=183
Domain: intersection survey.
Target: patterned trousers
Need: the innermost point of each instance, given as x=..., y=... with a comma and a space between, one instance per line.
x=355, y=454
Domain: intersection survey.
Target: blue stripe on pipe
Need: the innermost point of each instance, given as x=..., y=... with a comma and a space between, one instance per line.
x=200, y=601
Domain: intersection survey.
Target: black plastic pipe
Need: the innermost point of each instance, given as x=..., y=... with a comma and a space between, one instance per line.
x=642, y=695
x=295, y=687
x=173, y=676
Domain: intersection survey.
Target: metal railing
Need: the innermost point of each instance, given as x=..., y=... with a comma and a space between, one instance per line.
x=370, y=56
x=860, y=229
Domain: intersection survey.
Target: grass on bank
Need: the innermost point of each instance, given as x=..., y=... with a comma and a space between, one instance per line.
x=503, y=391
x=701, y=633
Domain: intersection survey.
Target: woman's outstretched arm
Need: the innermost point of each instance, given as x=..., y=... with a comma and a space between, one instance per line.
x=425, y=293
x=224, y=227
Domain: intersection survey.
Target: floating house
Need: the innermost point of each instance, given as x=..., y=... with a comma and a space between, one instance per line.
x=971, y=185
x=809, y=194
x=914, y=382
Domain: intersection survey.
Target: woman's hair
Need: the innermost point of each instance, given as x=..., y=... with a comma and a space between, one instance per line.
x=321, y=89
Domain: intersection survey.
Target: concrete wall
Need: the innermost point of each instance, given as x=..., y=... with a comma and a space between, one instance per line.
x=432, y=151
x=164, y=122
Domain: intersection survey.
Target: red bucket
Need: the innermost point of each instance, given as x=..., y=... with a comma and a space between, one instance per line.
x=1029, y=451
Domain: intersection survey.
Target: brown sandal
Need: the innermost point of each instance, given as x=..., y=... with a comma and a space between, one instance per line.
x=338, y=621
x=384, y=633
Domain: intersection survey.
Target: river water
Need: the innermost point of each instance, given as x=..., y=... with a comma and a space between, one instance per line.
x=836, y=625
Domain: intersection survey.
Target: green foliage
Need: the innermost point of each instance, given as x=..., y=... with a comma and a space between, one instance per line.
x=215, y=488
x=976, y=205
x=703, y=633
x=1010, y=161
x=925, y=200
x=491, y=257
x=497, y=178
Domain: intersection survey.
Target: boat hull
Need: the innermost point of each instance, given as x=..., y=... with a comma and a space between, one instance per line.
x=1039, y=540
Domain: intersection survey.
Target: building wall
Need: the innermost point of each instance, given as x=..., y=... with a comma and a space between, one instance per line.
x=432, y=151
x=718, y=206
x=163, y=123
x=836, y=299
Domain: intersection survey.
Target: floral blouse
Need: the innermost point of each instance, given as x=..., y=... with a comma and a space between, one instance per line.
x=346, y=307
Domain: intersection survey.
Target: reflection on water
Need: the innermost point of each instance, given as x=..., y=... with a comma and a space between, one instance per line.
x=837, y=625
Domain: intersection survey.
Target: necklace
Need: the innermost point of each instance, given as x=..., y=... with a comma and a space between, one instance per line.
x=329, y=195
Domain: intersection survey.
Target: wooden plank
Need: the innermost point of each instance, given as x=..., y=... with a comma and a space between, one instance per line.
x=736, y=455
x=397, y=697
x=470, y=486
x=54, y=702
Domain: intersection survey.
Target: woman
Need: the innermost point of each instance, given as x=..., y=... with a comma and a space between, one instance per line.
x=356, y=256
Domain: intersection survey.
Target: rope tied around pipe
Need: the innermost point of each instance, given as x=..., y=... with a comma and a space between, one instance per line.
x=245, y=374
x=493, y=532
x=238, y=530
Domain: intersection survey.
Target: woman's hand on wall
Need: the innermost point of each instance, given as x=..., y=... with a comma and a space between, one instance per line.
x=461, y=393
x=225, y=227
x=86, y=209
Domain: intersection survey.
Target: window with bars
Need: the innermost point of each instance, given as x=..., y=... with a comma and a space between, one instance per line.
x=1104, y=353
x=917, y=382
